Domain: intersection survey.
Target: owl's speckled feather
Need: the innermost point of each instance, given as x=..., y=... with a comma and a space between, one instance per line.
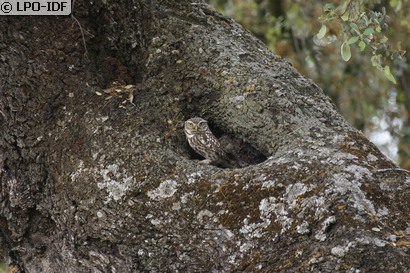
x=202, y=141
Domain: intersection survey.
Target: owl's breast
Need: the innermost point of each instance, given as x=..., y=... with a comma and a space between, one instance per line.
x=188, y=135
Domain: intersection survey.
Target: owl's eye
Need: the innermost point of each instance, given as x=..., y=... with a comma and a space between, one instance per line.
x=190, y=124
x=202, y=125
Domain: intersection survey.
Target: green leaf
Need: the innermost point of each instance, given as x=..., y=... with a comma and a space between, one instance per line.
x=355, y=27
x=395, y=55
x=378, y=29
x=328, y=7
x=375, y=59
x=388, y=74
x=345, y=51
x=368, y=31
x=322, y=32
x=396, y=4
x=362, y=45
x=353, y=40
x=345, y=17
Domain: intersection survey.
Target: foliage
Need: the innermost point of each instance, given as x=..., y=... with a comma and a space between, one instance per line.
x=364, y=28
x=339, y=44
x=3, y=267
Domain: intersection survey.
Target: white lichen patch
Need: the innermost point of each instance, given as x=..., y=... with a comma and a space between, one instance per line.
x=316, y=203
x=321, y=233
x=185, y=198
x=193, y=177
x=337, y=139
x=339, y=251
x=272, y=210
x=281, y=160
x=204, y=213
x=115, y=182
x=100, y=214
x=293, y=191
x=371, y=157
x=385, y=187
x=364, y=240
x=239, y=98
x=78, y=172
x=303, y=228
x=155, y=222
x=229, y=234
x=245, y=247
x=358, y=171
x=232, y=259
x=339, y=158
x=253, y=230
x=380, y=243
x=268, y=208
x=165, y=190
x=176, y=206
x=268, y=184
x=282, y=216
x=259, y=178
x=383, y=212
x=349, y=182
x=102, y=119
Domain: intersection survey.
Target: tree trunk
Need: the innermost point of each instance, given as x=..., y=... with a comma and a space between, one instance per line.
x=97, y=180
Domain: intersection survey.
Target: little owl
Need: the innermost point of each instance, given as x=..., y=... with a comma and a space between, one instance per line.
x=202, y=141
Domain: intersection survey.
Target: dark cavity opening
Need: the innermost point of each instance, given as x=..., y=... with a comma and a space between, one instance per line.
x=241, y=152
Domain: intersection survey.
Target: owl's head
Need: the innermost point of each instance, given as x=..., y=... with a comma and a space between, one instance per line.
x=195, y=125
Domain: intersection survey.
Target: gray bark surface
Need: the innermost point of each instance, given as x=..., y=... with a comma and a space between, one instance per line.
x=93, y=183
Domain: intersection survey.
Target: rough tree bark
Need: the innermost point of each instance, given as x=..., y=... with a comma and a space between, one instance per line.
x=93, y=183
